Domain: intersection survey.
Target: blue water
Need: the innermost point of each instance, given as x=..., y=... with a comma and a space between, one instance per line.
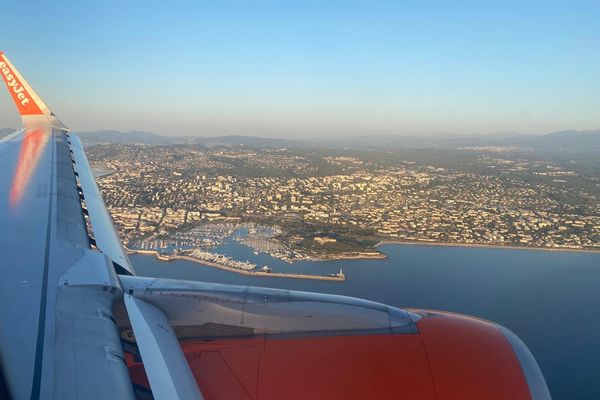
x=550, y=299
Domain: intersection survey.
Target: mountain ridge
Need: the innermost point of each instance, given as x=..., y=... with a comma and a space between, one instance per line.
x=568, y=140
x=565, y=139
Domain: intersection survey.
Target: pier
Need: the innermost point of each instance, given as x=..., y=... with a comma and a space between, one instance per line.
x=340, y=277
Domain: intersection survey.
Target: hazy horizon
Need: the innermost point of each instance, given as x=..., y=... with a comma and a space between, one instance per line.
x=311, y=69
x=445, y=135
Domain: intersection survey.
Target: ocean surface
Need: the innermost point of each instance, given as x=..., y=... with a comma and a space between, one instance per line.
x=551, y=300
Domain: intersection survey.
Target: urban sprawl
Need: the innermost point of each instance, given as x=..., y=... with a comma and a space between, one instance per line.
x=323, y=204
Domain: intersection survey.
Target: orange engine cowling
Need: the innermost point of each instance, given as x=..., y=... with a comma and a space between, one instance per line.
x=450, y=356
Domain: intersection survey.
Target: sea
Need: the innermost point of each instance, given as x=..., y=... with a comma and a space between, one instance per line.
x=550, y=299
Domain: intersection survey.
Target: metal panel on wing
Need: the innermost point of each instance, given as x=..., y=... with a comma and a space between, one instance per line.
x=167, y=369
x=104, y=231
x=257, y=310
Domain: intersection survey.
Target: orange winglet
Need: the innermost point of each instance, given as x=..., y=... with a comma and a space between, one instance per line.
x=19, y=92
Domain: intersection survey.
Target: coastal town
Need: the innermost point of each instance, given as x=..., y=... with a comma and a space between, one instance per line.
x=326, y=205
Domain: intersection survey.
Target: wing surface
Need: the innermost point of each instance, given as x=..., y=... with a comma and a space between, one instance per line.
x=58, y=338
x=105, y=237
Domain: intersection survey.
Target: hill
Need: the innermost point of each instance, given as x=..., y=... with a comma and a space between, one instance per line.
x=567, y=140
x=140, y=137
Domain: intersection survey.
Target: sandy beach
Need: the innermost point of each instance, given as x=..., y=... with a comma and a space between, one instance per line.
x=489, y=246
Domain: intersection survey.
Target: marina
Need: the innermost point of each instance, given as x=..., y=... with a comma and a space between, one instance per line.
x=245, y=268
x=209, y=245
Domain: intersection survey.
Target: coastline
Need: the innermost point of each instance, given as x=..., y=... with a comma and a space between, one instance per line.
x=353, y=256
x=357, y=256
x=337, y=278
x=488, y=246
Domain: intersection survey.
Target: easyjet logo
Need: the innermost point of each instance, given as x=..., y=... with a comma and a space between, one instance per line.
x=14, y=84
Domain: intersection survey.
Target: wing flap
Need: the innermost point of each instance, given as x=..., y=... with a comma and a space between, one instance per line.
x=167, y=369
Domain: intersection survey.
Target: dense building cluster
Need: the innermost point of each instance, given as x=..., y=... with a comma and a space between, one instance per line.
x=517, y=202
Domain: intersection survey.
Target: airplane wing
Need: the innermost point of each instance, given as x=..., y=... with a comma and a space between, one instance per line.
x=77, y=323
x=58, y=339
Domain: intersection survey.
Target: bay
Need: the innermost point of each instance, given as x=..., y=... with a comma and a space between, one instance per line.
x=550, y=299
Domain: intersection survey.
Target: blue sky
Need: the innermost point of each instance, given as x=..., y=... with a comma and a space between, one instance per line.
x=310, y=68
